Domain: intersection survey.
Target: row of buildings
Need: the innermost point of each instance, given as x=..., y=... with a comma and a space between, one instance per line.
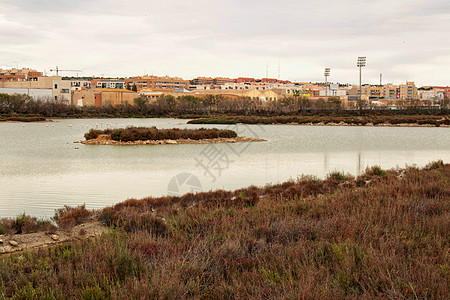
x=101, y=91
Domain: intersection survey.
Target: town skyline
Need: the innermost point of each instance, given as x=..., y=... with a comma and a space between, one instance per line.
x=404, y=40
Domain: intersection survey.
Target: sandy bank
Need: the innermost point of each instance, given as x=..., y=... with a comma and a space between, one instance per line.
x=239, y=139
x=30, y=241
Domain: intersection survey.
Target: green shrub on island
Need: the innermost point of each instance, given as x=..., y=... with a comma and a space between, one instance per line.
x=131, y=134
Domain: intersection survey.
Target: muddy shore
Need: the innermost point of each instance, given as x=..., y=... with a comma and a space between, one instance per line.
x=239, y=139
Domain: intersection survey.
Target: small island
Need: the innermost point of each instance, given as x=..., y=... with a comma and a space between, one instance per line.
x=155, y=136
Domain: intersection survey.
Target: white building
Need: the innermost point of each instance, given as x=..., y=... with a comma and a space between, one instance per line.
x=36, y=94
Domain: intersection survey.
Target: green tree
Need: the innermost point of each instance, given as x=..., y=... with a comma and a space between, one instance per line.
x=142, y=103
x=335, y=102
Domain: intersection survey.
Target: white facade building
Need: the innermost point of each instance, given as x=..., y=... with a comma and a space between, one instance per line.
x=36, y=94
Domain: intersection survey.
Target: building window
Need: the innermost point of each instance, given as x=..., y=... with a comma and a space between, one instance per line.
x=65, y=91
x=56, y=86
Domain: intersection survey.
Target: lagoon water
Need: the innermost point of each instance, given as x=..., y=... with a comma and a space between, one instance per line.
x=41, y=169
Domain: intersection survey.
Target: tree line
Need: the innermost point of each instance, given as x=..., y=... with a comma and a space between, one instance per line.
x=168, y=105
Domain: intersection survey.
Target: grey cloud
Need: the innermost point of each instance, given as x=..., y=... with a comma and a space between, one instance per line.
x=179, y=36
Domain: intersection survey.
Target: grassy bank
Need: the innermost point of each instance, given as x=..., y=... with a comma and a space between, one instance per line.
x=432, y=120
x=381, y=235
x=152, y=133
x=22, y=118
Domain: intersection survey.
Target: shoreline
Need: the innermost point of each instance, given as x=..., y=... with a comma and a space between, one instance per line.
x=35, y=240
x=370, y=124
x=238, y=139
x=354, y=125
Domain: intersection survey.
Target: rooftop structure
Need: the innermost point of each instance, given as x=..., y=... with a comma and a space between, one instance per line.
x=155, y=82
x=23, y=74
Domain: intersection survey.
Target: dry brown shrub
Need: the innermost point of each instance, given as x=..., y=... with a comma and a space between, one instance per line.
x=70, y=216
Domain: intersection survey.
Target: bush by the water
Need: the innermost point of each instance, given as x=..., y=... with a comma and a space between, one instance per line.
x=24, y=224
x=131, y=134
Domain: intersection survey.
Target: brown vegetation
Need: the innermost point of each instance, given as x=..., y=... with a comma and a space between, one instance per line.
x=70, y=216
x=383, y=234
x=152, y=133
x=431, y=120
x=24, y=224
x=191, y=106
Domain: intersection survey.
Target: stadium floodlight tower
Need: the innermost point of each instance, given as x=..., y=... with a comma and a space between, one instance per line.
x=361, y=63
x=326, y=74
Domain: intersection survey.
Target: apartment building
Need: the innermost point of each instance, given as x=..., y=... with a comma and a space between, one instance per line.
x=222, y=80
x=16, y=75
x=108, y=83
x=269, y=80
x=408, y=91
x=373, y=92
x=389, y=91
x=53, y=87
x=203, y=81
x=77, y=84
x=155, y=82
x=244, y=80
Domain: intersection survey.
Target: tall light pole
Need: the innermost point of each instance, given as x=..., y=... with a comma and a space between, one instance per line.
x=326, y=74
x=361, y=63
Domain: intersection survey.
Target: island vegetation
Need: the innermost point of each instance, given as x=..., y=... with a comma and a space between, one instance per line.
x=131, y=134
x=155, y=136
x=383, y=234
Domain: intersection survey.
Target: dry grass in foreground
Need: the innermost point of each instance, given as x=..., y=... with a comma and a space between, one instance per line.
x=382, y=235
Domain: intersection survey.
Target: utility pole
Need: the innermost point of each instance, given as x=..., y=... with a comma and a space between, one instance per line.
x=381, y=86
x=278, y=69
x=360, y=64
x=326, y=74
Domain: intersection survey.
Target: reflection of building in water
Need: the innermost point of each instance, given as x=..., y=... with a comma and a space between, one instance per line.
x=325, y=163
x=358, y=171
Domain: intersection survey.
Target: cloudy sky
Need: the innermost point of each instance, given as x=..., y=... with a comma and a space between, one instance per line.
x=402, y=39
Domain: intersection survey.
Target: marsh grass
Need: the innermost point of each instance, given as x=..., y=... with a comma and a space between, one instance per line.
x=381, y=235
x=432, y=120
x=25, y=224
x=152, y=133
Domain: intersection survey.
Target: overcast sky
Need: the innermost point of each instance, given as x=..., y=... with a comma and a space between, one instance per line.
x=402, y=39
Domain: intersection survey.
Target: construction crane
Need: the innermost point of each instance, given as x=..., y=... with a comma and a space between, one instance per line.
x=57, y=70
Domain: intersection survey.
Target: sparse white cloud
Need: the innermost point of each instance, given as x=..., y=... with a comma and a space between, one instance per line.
x=404, y=40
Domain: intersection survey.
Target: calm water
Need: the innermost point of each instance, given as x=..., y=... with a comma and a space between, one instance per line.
x=40, y=169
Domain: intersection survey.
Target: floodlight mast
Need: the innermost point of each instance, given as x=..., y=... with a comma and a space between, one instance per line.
x=360, y=64
x=326, y=74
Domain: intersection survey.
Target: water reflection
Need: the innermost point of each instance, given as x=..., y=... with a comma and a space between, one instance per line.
x=41, y=170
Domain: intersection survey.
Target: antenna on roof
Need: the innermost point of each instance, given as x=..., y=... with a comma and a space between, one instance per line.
x=278, y=69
